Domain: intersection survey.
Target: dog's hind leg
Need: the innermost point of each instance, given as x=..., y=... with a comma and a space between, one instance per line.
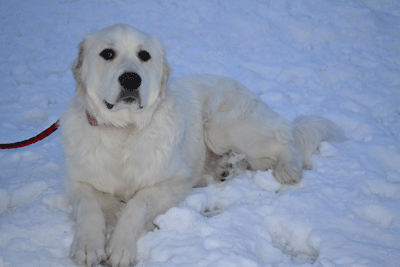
x=236, y=119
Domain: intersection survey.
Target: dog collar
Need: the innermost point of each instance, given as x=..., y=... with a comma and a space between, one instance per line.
x=92, y=121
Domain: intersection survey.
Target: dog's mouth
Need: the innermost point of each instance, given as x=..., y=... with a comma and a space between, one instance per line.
x=127, y=98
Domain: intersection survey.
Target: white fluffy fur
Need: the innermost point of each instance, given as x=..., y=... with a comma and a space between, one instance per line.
x=141, y=161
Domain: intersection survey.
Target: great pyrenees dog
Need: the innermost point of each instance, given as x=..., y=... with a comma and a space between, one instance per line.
x=136, y=142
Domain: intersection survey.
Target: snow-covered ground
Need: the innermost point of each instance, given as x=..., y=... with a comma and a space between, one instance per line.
x=339, y=59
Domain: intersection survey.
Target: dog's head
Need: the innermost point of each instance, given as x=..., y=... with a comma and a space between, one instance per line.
x=121, y=74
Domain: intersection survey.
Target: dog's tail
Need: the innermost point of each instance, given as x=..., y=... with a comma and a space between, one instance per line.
x=308, y=132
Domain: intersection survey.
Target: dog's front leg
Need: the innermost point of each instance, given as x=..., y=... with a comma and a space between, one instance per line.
x=89, y=235
x=143, y=207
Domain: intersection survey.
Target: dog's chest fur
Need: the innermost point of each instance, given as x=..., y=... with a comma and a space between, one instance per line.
x=123, y=160
x=141, y=158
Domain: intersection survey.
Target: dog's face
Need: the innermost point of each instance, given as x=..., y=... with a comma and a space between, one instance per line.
x=120, y=73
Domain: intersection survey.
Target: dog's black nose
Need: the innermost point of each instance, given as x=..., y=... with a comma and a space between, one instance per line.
x=130, y=81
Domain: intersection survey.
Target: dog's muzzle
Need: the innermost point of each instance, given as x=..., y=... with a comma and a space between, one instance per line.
x=130, y=83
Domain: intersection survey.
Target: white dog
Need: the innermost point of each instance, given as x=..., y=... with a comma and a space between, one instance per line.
x=136, y=143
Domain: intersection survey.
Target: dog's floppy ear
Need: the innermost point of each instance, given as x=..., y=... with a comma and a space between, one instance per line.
x=77, y=69
x=165, y=68
x=166, y=73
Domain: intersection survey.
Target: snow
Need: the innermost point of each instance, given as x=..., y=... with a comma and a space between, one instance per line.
x=338, y=59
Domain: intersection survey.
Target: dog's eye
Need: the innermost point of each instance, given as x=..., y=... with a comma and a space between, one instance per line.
x=108, y=54
x=144, y=55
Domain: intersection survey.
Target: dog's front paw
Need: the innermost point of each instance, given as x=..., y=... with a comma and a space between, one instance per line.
x=287, y=172
x=88, y=249
x=121, y=250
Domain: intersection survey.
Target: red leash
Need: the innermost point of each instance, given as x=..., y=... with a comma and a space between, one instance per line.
x=92, y=121
x=32, y=140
